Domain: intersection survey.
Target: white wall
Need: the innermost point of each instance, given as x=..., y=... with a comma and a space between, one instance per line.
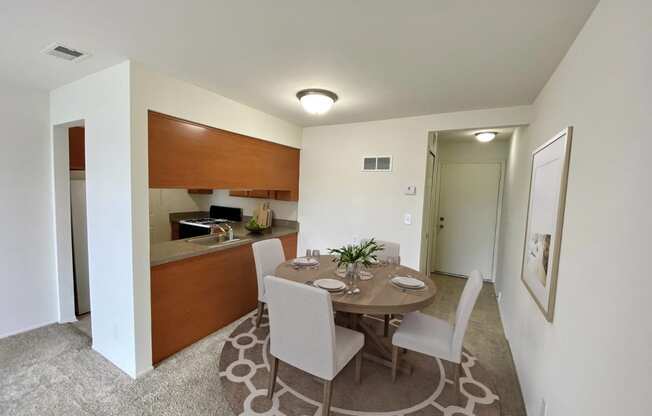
x=113, y=105
x=338, y=202
x=28, y=289
x=153, y=91
x=473, y=151
x=102, y=100
x=594, y=359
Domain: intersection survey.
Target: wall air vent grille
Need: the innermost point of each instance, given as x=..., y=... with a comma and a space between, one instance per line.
x=377, y=164
x=64, y=52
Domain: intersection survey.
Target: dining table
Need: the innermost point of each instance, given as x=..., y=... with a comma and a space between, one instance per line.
x=375, y=296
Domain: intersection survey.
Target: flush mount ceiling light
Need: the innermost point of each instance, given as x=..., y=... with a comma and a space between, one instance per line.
x=316, y=101
x=485, y=136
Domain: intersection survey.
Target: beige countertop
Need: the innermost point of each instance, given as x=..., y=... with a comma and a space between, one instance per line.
x=169, y=251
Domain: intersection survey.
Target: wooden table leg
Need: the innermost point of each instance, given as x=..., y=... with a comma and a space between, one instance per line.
x=385, y=354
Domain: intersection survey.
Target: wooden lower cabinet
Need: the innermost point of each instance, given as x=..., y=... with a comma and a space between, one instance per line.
x=195, y=297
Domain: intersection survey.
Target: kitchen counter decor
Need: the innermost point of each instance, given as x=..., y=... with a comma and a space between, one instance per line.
x=261, y=221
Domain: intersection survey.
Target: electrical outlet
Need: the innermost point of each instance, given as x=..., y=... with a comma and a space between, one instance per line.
x=407, y=219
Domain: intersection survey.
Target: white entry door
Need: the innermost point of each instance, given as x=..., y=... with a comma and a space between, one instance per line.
x=467, y=218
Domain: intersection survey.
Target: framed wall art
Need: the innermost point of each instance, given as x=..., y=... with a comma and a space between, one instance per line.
x=545, y=220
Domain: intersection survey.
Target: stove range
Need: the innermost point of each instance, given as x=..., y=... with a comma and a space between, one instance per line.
x=194, y=227
x=203, y=222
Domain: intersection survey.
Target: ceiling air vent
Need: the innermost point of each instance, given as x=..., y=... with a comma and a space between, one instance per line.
x=377, y=164
x=64, y=52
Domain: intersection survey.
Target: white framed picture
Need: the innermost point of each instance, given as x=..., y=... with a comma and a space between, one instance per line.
x=545, y=219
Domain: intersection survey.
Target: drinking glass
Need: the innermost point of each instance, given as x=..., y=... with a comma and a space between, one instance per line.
x=393, y=263
x=308, y=253
x=316, y=254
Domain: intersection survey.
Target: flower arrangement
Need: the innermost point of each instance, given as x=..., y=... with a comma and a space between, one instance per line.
x=363, y=253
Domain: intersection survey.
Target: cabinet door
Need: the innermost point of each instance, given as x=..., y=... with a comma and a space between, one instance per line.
x=289, y=243
x=239, y=193
x=183, y=154
x=195, y=297
x=259, y=194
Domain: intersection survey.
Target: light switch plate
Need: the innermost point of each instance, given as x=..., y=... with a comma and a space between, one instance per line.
x=410, y=190
x=407, y=219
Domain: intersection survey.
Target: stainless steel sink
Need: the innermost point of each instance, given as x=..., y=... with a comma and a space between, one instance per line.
x=212, y=240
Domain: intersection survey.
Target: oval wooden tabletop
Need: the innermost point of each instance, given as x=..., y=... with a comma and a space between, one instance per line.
x=377, y=295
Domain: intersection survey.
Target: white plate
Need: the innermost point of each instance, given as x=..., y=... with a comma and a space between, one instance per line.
x=331, y=285
x=408, y=282
x=305, y=261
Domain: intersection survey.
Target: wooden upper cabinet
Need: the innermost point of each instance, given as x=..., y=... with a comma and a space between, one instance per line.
x=76, y=148
x=183, y=154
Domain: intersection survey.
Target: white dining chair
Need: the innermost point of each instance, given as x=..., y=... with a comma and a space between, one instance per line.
x=303, y=334
x=390, y=249
x=268, y=255
x=435, y=337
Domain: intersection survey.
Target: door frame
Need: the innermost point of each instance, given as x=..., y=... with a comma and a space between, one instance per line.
x=427, y=241
x=435, y=224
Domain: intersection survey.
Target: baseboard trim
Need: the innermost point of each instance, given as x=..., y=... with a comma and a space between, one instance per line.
x=27, y=329
x=144, y=371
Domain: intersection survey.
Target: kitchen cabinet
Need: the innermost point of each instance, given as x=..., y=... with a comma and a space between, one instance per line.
x=289, y=243
x=76, y=148
x=278, y=195
x=194, y=297
x=254, y=193
x=183, y=154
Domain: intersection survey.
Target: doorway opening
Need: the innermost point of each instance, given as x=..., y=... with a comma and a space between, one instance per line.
x=464, y=202
x=69, y=163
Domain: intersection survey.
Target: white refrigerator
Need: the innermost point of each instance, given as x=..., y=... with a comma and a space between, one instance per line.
x=79, y=240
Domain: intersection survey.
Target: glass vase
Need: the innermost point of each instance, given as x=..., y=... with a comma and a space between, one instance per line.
x=352, y=275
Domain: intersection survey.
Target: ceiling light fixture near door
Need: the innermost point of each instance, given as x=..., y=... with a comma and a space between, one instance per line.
x=316, y=101
x=485, y=136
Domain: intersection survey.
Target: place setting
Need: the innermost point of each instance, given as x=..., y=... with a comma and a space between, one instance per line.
x=310, y=261
x=406, y=283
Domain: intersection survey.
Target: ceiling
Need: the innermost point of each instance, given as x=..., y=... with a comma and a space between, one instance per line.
x=503, y=133
x=384, y=58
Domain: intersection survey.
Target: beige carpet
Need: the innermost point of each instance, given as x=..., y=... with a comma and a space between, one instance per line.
x=54, y=371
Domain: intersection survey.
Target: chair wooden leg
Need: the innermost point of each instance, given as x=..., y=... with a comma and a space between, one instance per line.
x=358, y=366
x=395, y=358
x=272, y=378
x=456, y=380
x=326, y=404
x=259, y=316
x=386, y=327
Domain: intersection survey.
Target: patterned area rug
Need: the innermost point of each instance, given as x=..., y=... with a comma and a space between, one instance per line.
x=244, y=373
